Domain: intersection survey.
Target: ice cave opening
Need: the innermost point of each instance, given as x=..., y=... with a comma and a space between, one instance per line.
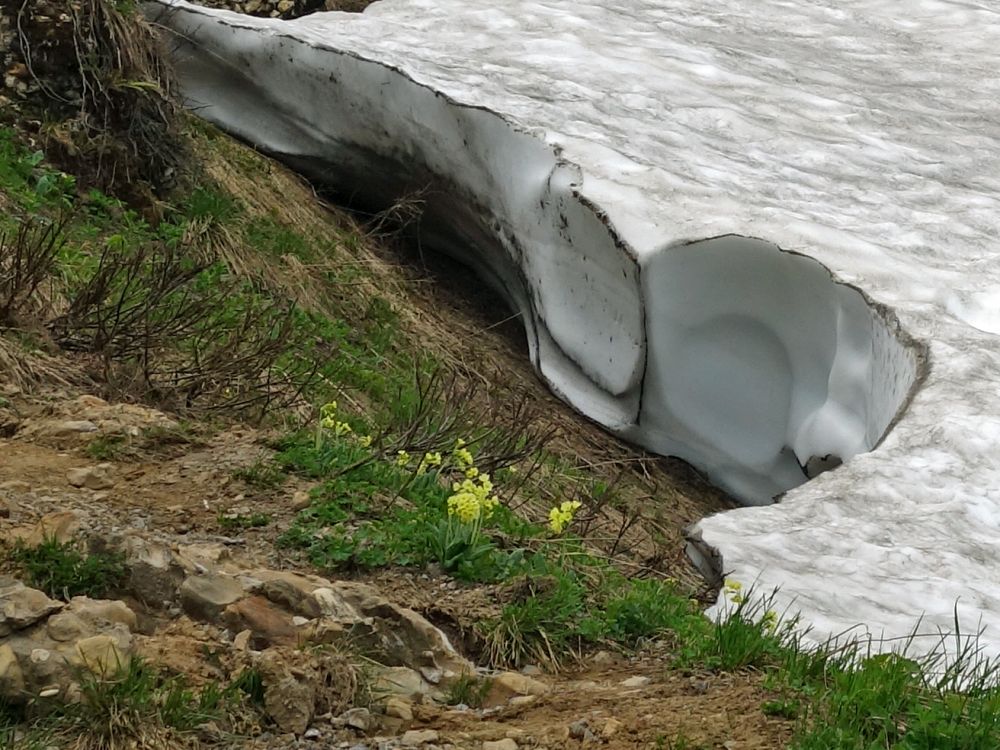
x=761, y=368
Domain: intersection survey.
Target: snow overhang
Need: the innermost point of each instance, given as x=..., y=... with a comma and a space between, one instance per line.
x=608, y=170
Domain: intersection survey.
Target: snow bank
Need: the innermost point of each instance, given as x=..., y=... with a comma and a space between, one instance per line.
x=606, y=168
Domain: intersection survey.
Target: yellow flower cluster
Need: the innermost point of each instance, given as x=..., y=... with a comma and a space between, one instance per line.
x=328, y=421
x=561, y=516
x=462, y=457
x=770, y=621
x=471, y=500
x=735, y=590
x=402, y=458
x=328, y=415
x=365, y=441
x=429, y=461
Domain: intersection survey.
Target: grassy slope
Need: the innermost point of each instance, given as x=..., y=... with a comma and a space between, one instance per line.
x=379, y=333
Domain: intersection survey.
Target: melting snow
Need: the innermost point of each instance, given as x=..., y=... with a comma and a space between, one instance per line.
x=605, y=165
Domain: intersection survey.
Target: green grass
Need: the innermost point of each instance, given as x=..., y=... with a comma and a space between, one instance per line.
x=469, y=690
x=137, y=706
x=262, y=474
x=107, y=447
x=359, y=348
x=244, y=522
x=62, y=571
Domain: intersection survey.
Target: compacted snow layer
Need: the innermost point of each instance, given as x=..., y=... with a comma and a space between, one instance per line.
x=607, y=166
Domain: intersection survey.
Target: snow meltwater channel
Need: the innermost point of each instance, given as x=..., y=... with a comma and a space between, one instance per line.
x=608, y=167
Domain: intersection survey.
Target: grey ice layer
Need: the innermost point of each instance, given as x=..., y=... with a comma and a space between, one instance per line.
x=586, y=148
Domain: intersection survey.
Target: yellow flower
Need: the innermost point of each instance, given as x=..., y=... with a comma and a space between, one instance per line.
x=429, y=460
x=328, y=409
x=463, y=458
x=770, y=621
x=365, y=440
x=489, y=506
x=464, y=506
x=342, y=428
x=562, y=515
x=734, y=588
x=472, y=472
x=402, y=458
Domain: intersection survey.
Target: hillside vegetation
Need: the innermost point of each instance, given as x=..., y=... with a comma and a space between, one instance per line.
x=358, y=408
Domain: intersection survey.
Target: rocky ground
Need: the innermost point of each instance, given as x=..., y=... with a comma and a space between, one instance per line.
x=206, y=603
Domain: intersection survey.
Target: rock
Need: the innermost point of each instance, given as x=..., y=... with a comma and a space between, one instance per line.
x=69, y=428
x=290, y=590
x=394, y=635
x=611, y=728
x=100, y=613
x=205, y=597
x=101, y=655
x=299, y=684
x=202, y=557
x=92, y=477
x=65, y=626
x=241, y=641
x=602, y=659
x=311, y=734
x=636, y=682
x=300, y=500
x=522, y=701
x=289, y=700
x=285, y=5
x=401, y=681
x=505, y=686
x=269, y=625
x=154, y=575
x=21, y=606
x=357, y=718
x=4, y=508
x=11, y=677
x=399, y=708
x=15, y=485
x=504, y=744
x=62, y=526
x=417, y=737
x=580, y=730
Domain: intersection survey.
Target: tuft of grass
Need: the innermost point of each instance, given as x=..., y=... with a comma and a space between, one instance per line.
x=137, y=707
x=107, y=447
x=469, y=690
x=263, y=475
x=244, y=522
x=63, y=572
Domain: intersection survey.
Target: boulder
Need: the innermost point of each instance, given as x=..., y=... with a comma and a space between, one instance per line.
x=301, y=684
x=21, y=606
x=268, y=624
x=91, y=477
x=508, y=685
x=205, y=597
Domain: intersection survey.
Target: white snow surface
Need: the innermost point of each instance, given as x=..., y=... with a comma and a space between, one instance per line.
x=610, y=160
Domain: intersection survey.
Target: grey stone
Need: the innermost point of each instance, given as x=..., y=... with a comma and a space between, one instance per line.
x=21, y=606
x=205, y=597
